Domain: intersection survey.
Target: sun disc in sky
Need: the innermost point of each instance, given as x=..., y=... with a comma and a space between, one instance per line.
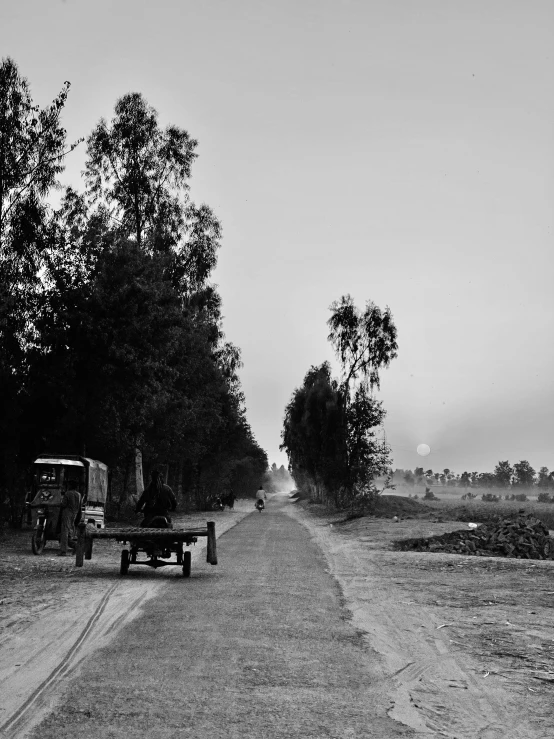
x=423, y=450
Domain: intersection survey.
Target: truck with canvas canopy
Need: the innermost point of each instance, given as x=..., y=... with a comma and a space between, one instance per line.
x=52, y=473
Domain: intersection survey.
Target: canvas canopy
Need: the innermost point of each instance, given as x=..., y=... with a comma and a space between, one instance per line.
x=96, y=474
x=97, y=481
x=59, y=460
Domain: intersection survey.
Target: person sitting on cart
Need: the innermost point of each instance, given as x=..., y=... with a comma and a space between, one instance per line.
x=70, y=514
x=157, y=500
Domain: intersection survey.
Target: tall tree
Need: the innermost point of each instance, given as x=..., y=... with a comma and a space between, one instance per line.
x=465, y=479
x=367, y=456
x=503, y=474
x=329, y=427
x=524, y=474
x=487, y=480
x=142, y=173
x=138, y=168
x=32, y=151
x=364, y=341
x=545, y=479
x=314, y=435
x=120, y=334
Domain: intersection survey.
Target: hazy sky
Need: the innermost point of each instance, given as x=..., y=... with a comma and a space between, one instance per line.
x=398, y=150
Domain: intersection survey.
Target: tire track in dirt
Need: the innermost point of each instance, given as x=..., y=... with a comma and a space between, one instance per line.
x=16, y=722
x=117, y=606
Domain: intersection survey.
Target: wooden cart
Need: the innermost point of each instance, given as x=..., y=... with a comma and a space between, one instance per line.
x=157, y=544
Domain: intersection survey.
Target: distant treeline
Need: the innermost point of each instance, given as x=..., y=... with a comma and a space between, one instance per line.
x=520, y=475
x=110, y=330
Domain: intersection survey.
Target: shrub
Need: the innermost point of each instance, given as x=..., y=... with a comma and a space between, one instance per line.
x=521, y=497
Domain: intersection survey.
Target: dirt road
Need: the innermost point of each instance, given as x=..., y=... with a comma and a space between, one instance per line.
x=259, y=646
x=308, y=627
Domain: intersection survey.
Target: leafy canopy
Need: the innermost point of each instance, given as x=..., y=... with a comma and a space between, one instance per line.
x=364, y=341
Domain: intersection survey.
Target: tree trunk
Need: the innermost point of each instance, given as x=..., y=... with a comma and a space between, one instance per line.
x=139, y=478
x=125, y=489
x=137, y=220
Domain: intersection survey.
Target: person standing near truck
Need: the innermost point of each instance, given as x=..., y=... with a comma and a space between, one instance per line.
x=70, y=511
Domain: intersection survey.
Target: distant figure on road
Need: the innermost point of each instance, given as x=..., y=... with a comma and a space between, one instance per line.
x=70, y=511
x=157, y=500
x=261, y=495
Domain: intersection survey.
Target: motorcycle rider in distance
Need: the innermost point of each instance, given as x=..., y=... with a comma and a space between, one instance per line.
x=157, y=500
x=261, y=495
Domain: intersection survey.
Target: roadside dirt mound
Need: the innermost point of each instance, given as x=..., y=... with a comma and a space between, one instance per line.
x=394, y=505
x=388, y=506
x=524, y=537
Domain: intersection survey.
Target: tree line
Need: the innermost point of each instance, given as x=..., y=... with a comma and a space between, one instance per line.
x=110, y=329
x=505, y=475
x=330, y=428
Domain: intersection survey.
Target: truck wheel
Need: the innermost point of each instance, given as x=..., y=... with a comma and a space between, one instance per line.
x=38, y=540
x=187, y=556
x=124, y=569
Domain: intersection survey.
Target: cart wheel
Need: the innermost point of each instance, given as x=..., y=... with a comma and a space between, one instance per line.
x=133, y=555
x=187, y=556
x=124, y=569
x=38, y=540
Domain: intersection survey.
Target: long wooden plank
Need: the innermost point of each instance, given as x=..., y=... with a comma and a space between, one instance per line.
x=176, y=534
x=80, y=548
x=211, y=551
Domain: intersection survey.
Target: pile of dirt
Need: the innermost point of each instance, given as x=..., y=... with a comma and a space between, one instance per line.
x=394, y=505
x=522, y=537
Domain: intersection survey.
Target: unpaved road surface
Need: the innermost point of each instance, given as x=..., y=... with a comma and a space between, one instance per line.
x=309, y=627
x=259, y=646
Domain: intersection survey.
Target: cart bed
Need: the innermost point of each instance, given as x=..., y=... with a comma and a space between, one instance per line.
x=86, y=536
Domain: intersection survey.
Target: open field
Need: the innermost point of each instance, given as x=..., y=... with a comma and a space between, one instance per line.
x=451, y=505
